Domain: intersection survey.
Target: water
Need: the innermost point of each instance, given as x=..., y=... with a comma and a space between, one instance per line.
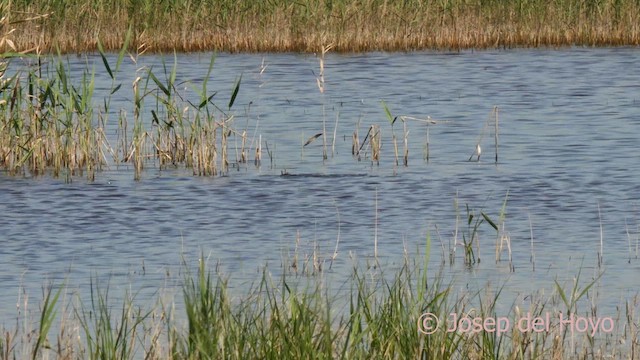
x=567, y=159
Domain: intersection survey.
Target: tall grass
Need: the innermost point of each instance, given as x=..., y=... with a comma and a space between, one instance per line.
x=378, y=312
x=49, y=121
x=383, y=311
x=109, y=334
x=190, y=25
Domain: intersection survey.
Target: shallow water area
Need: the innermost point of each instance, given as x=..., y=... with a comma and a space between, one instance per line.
x=567, y=159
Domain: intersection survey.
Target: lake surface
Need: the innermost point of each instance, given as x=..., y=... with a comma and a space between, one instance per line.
x=568, y=159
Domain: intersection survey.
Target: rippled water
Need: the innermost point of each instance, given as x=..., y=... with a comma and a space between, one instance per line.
x=568, y=158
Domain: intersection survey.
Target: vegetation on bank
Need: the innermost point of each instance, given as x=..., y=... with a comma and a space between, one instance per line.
x=311, y=310
x=379, y=313
x=307, y=26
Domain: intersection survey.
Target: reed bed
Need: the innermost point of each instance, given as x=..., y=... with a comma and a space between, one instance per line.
x=307, y=26
x=50, y=123
x=381, y=313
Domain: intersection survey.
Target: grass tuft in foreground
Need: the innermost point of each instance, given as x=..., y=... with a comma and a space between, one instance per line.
x=376, y=313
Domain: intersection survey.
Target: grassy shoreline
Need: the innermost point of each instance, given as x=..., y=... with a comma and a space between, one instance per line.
x=381, y=315
x=307, y=26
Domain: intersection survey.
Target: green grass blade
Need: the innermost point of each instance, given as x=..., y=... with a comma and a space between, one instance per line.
x=387, y=112
x=123, y=51
x=159, y=84
x=173, y=73
x=503, y=210
x=311, y=139
x=235, y=92
x=104, y=60
x=46, y=319
x=206, y=78
x=486, y=217
x=562, y=294
x=62, y=76
x=115, y=89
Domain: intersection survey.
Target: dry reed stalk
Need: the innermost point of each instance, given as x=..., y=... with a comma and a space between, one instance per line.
x=243, y=151
x=375, y=226
x=318, y=261
x=138, y=154
x=532, y=259
x=335, y=251
x=355, y=141
x=426, y=148
x=258, y=158
x=502, y=239
x=406, y=144
x=335, y=133
x=272, y=154
x=204, y=148
x=210, y=148
x=224, y=149
x=294, y=263
x=355, y=144
x=123, y=143
x=495, y=111
x=601, y=252
x=374, y=141
x=395, y=147
x=321, y=87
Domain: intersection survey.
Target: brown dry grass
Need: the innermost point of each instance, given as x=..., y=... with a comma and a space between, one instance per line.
x=352, y=26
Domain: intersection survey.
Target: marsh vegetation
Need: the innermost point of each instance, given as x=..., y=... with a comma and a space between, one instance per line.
x=53, y=121
x=308, y=26
x=376, y=311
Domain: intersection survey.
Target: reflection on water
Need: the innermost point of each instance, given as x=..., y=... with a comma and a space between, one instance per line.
x=568, y=147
